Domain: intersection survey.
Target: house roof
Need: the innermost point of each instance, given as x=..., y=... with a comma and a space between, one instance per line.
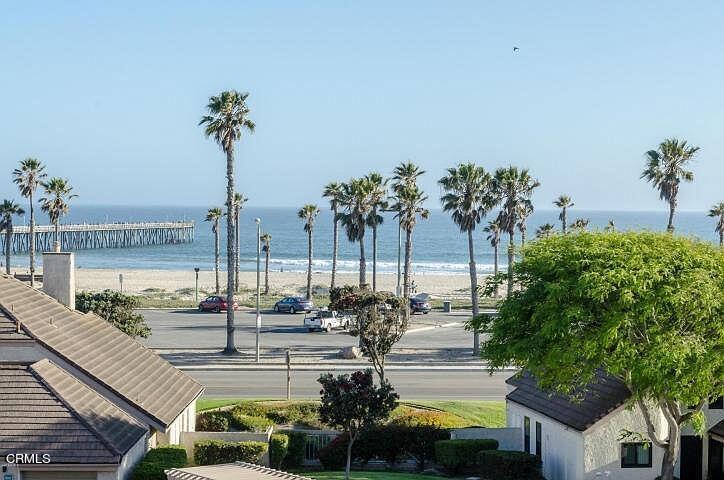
x=76, y=427
x=9, y=329
x=587, y=406
x=231, y=471
x=91, y=344
x=718, y=429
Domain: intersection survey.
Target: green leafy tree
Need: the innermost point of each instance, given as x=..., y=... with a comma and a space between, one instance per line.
x=308, y=213
x=717, y=211
x=333, y=191
x=213, y=216
x=55, y=203
x=377, y=203
x=666, y=168
x=28, y=178
x=7, y=209
x=353, y=404
x=227, y=118
x=563, y=202
x=239, y=202
x=266, y=239
x=647, y=308
x=545, y=230
x=117, y=309
x=467, y=196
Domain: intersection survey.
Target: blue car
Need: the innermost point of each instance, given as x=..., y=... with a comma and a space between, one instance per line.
x=293, y=305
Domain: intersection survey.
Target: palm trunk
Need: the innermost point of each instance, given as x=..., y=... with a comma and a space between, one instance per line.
x=495, y=264
x=362, y=263
x=474, y=291
x=217, y=239
x=564, y=219
x=32, y=241
x=230, y=255
x=374, y=258
x=672, y=208
x=56, y=227
x=522, y=237
x=721, y=237
x=8, y=239
x=309, y=264
x=335, y=246
x=236, y=245
x=511, y=259
x=408, y=267
x=266, y=269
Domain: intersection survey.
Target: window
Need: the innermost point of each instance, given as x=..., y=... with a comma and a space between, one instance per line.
x=526, y=434
x=717, y=404
x=538, y=439
x=636, y=455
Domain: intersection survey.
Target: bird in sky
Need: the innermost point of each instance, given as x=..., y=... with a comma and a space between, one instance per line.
x=515, y=49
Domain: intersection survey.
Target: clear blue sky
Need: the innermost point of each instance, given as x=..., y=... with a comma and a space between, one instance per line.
x=110, y=95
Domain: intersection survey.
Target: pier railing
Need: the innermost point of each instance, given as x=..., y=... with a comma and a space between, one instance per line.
x=101, y=235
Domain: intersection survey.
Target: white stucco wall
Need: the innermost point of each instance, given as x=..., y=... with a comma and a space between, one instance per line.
x=508, y=438
x=185, y=422
x=562, y=446
x=134, y=455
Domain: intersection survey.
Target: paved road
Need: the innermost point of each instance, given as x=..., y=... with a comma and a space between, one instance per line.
x=410, y=384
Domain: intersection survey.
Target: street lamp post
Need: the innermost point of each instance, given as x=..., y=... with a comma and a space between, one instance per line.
x=258, y=285
x=196, y=271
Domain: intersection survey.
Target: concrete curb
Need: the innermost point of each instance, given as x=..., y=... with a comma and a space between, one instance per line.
x=433, y=327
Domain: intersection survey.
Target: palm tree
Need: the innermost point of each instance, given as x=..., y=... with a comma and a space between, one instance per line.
x=308, y=213
x=333, y=191
x=493, y=236
x=717, y=211
x=580, y=224
x=564, y=203
x=7, y=209
x=56, y=203
x=377, y=202
x=355, y=200
x=213, y=216
x=405, y=174
x=28, y=177
x=227, y=117
x=467, y=196
x=239, y=201
x=666, y=168
x=545, y=230
x=266, y=248
x=523, y=213
x=514, y=188
x=611, y=227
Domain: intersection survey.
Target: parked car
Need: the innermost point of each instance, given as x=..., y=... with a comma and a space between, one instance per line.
x=420, y=304
x=215, y=303
x=293, y=305
x=326, y=320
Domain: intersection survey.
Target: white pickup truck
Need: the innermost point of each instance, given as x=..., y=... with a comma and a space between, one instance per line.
x=326, y=320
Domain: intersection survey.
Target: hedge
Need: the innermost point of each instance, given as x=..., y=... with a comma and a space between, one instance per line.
x=212, y=452
x=249, y=423
x=296, y=448
x=278, y=448
x=212, y=422
x=157, y=460
x=509, y=465
x=456, y=454
x=334, y=455
x=420, y=442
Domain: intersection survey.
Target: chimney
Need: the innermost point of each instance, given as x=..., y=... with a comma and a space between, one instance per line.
x=59, y=276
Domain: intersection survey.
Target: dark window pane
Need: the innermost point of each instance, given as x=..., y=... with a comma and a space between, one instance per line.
x=717, y=404
x=526, y=434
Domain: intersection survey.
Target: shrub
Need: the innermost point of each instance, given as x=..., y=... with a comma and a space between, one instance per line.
x=212, y=422
x=419, y=441
x=509, y=465
x=296, y=448
x=386, y=442
x=305, y=413
x=252, y=409
x=334, y=455
x=410, y=417
x=157, y=460
x=278, y=448
x=456, y=454
x=212, y=452
x=248, y=423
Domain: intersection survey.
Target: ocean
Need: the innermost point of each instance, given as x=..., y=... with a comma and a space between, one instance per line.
x=438, y=245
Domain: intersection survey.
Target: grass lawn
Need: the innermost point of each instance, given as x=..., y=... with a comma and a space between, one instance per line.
x=482, y=413
x=368, y=476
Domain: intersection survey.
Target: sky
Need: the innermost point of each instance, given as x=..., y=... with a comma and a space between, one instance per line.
x=109, y=95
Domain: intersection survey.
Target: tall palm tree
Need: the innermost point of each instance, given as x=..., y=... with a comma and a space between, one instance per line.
x=7, y=209
x=28, y=177
x=333, y=191
x=493, y=236
x=377, y=203
x=308, y=213
x=239, y=201
x=355, y=200
x=717, y=211
x=213, y=216
x=514, y=188
x=266, y=248
x=665, y=170
x=580, y=224
x=55, y=204
x=227, y=118
x=404, y=175
x=523, y=213
x=563, y=202
x=467, y=196
x=545, y=230
x=611, y=226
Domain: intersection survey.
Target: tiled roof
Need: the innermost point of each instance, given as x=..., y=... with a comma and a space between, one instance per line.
x=100, y=350
x=34, y=420
x=718, y=429
x=589, y=405
x=231, y=471
x=9, y=329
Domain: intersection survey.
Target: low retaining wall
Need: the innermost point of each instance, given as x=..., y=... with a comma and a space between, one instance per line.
x=189, y=438
x=508, y=438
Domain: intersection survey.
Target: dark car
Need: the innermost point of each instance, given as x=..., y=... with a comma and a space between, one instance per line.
x=293, y=305
x=215, y=304
x=419, y=305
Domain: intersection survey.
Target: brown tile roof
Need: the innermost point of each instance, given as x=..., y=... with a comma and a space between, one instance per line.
x=9, y=329
x=231, y=471
x=34, y=420
x=592, y=403
x=106, y=354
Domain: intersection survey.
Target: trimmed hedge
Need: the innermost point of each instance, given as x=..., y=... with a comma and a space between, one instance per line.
x=253, y=409
x=212, y=452
x=249, y=423
x=420, y=442
x=157, y=460
x=212, y=422
x=413, y=418
x=278, y=448
x=296, y=448
x=456, y=454
x=509, y=465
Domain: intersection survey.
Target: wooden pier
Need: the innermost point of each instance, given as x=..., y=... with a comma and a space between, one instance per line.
x=105, y=235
